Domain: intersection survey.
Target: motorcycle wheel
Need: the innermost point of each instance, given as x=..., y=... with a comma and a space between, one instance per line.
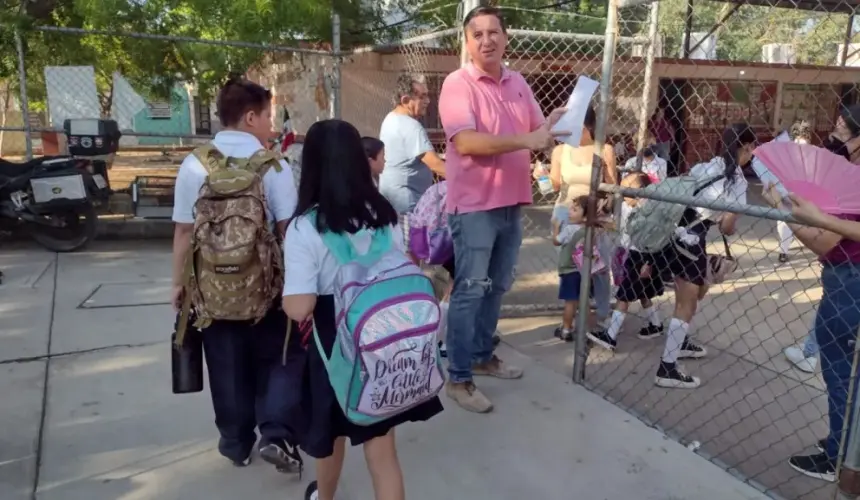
x=79, y=226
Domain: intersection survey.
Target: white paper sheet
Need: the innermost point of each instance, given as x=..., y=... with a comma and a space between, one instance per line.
x=573, y=119
x=783, y=137
x=766, y=176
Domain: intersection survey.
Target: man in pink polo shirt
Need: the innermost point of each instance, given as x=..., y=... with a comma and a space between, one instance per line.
x=492, y=122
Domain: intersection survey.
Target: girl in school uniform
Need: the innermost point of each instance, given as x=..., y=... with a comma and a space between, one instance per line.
x=337, y=182
x=641, y=280
x=687, y=258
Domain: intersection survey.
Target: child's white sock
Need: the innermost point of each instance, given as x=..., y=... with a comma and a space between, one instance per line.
x=615, y=324
x=653, y=315
x=674, y=340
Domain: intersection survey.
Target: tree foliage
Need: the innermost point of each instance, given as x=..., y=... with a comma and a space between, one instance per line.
x=154, y=67
x=813, y=34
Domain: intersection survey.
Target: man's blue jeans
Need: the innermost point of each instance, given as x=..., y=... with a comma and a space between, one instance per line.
x=486, y=248
x=836, y=326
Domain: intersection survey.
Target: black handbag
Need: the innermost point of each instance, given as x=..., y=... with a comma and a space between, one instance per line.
x=186, y=355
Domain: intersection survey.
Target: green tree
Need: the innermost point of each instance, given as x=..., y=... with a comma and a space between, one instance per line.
x=740, y=38
x=154, y=67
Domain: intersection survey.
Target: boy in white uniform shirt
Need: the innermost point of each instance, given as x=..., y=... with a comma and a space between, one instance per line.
x=653, y=166
x=251, y=387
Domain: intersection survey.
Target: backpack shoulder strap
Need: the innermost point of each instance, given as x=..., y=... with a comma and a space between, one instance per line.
x=209, y=156
x=344, y=251
x=264, y=159
x=709, y=183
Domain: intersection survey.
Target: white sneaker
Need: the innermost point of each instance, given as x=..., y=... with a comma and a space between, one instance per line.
x=800, y=361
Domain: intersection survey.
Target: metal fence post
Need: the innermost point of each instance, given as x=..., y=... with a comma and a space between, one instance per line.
x=334, y=102
x=25, y=105
x=467, y=5
x=581, y=355
x=849, y=462
x=649, y=76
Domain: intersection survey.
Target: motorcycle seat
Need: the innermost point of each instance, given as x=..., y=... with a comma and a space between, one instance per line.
x=14, y=169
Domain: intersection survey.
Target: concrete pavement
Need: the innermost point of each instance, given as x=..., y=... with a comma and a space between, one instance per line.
x=88, y=414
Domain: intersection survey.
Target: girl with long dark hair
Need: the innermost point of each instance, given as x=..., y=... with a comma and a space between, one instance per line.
x=337, y=184
x=687, y=259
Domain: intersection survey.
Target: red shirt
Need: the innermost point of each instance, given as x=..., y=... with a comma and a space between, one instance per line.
x=847, y=250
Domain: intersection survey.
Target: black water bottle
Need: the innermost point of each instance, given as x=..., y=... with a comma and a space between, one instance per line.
x=186, y=360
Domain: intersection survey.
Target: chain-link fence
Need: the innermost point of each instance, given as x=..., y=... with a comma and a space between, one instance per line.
x=164, y=105
x=759, y=391
x=675, y=74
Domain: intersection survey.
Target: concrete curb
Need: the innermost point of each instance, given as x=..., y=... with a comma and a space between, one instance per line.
x=134, y=229
x=120, y=228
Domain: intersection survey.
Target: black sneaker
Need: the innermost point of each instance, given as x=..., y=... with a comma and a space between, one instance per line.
x=821, y=445
x=783, y=258
x=443, y=350
x=670, y=377
x=692, y=350
x=496, y=339
x=602, y=338
x=311, y=491
x=242, y=463
x=565, y=335
x=284, y=456
x=817, y=466
x=651, y=332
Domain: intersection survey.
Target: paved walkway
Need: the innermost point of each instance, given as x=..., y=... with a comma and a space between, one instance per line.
x=87, y=412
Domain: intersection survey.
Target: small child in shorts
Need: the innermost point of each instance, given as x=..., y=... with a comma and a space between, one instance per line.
x=641, y=279
x=567, y=236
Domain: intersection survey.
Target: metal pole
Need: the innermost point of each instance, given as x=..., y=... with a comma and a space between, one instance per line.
x=848, y=463
x=581, y=355
x=334, y=102
x=849, y=33
x=649, y=75
x=25, y=104
x=644, y=112
x=688, y=28
x=468, y=5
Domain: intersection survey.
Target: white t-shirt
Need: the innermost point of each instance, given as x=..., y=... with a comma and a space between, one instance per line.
x=566, y=233
x=624, y=240
x=656, y=168
x=309, y=268
x=735, y=192
x=280, y=189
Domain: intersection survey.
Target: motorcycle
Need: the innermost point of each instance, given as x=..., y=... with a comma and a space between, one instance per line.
x=54, y=199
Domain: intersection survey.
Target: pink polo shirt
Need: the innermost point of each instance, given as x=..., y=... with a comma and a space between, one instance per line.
x=473, y=100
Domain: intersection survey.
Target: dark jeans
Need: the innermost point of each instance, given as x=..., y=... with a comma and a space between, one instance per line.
x=486, y=248
x=836, y=326
x=251, y=387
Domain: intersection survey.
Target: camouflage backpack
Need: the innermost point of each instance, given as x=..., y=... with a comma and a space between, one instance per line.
x=235, y=266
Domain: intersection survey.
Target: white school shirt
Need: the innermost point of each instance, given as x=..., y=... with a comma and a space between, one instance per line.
x=721, y=190
x=279, y=187
x=309, y=268
x=657, y=167
x=624, y=240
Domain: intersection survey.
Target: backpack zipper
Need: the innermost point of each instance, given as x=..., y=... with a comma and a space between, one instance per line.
x=385, y=303
x=400, y=336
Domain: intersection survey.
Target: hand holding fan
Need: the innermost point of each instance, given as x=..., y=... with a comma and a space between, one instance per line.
x=828, y=180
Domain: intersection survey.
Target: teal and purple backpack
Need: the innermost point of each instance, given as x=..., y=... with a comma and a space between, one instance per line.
x=385, y=359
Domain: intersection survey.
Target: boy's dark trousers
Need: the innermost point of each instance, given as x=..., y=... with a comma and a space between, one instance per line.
x=251, y=385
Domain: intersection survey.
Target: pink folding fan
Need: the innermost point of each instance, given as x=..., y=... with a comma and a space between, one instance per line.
x=828, y=180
